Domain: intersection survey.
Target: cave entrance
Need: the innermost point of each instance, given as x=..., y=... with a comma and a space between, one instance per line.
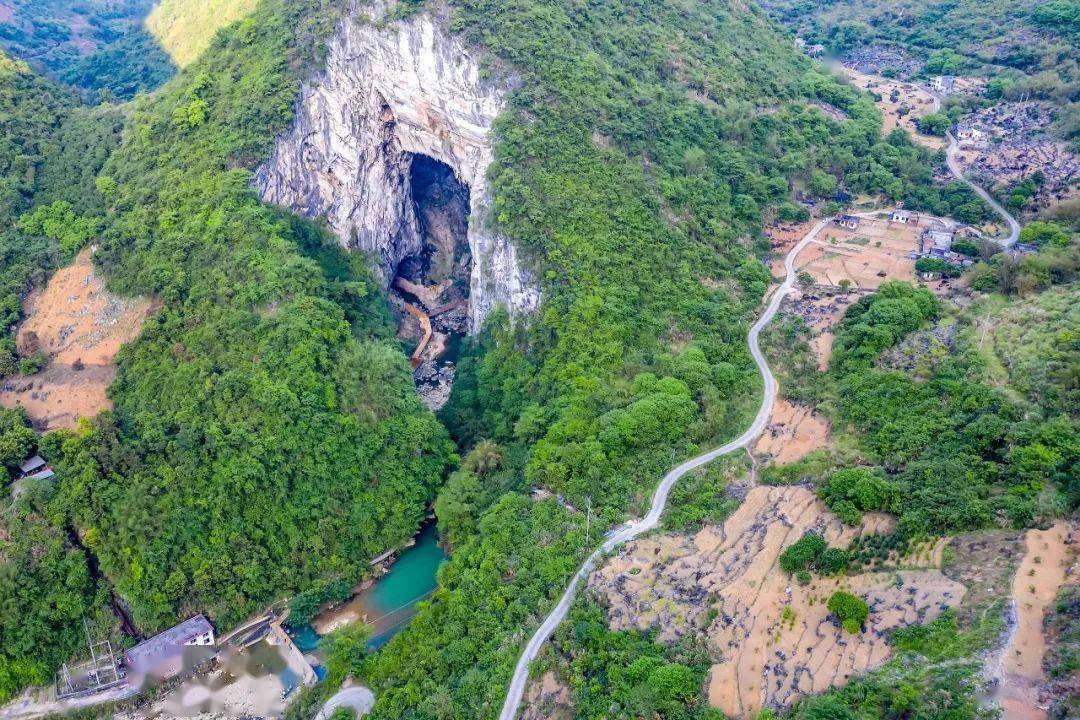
x=430, y=289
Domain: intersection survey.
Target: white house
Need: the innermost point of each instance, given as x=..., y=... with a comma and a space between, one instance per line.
x=943, y=83
x=900, y=215
x=971, y=135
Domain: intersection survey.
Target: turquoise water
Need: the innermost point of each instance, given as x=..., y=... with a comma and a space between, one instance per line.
x=391, y=601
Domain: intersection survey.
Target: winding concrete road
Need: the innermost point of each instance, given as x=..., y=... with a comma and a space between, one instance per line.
x=958, y=171
x=659, y=500
x=358, y=698
x=955, y=169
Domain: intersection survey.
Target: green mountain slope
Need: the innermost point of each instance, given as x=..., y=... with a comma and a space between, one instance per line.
x=266, y=433
x=185, y=28
x=45, y=584
x=98, y=46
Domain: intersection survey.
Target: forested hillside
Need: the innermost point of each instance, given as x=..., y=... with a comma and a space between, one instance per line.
x=267, y=438
x=266, y=434
x=45, y=583
x=98, y=46
x=1027, y=46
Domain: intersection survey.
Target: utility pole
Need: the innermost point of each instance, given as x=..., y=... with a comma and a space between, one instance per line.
x=588, y=520
x=985, y=325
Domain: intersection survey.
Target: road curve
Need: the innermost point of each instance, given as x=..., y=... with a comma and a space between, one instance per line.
x=659, y=500
x=358, y=698
x=955, y=169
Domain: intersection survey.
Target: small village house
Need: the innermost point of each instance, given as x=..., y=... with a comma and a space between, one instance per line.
x=943, y=83
x=900, y=215
x=850, y=222
x=971, y=136
x=937, y=240
x=163, y=656
x=35, y=469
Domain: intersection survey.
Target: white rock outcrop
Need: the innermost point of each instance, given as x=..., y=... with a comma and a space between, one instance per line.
x=391, y=90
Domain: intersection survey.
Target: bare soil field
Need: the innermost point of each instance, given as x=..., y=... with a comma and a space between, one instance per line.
x=1047, y=558
x=80, y=326
x=772, y=640
x=878, y=250
x=901, y=104
x=793, y=432
x=783, y=238
x=547, y=699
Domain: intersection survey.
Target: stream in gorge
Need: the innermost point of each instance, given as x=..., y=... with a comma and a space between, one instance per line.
x=429, y=293
x=389, y=602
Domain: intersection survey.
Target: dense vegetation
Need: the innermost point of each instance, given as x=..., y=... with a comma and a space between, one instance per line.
x=98, y=46
x=1062, y=659
x=812, y=553
x=1036, y=341
x=45, y=592
x=850, y=610
x=266, y=436
x=946, y=451
x=627, y=674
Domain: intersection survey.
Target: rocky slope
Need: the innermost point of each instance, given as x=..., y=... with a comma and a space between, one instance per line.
x=391, y=91
x=772, y=639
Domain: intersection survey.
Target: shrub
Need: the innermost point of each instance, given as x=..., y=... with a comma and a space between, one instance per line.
x=849, y=609
x=803, y=553
x=834, y=561
x=934, y=124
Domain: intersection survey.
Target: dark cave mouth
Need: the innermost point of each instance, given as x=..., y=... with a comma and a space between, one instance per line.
x=430, y=289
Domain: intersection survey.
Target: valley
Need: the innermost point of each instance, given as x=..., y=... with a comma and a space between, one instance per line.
x=521, y=359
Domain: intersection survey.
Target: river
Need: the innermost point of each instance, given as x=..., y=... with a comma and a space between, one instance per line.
x=389, y=602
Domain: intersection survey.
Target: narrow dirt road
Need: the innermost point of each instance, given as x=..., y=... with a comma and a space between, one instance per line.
x=958, y=171
x=659, y=500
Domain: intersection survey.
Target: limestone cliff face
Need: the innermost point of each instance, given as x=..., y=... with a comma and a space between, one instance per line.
x=389, y=91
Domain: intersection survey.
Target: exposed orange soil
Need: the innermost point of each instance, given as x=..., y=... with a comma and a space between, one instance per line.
x=822, y=346
x=784, y=237
x=909, y=95
x=75, y=320
x=793, y=432
x=547, y=699
x=861, y=255
x=772, y=639
x=1049, y=554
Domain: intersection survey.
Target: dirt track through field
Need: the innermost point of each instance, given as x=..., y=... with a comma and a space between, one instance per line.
x=1049, y=554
